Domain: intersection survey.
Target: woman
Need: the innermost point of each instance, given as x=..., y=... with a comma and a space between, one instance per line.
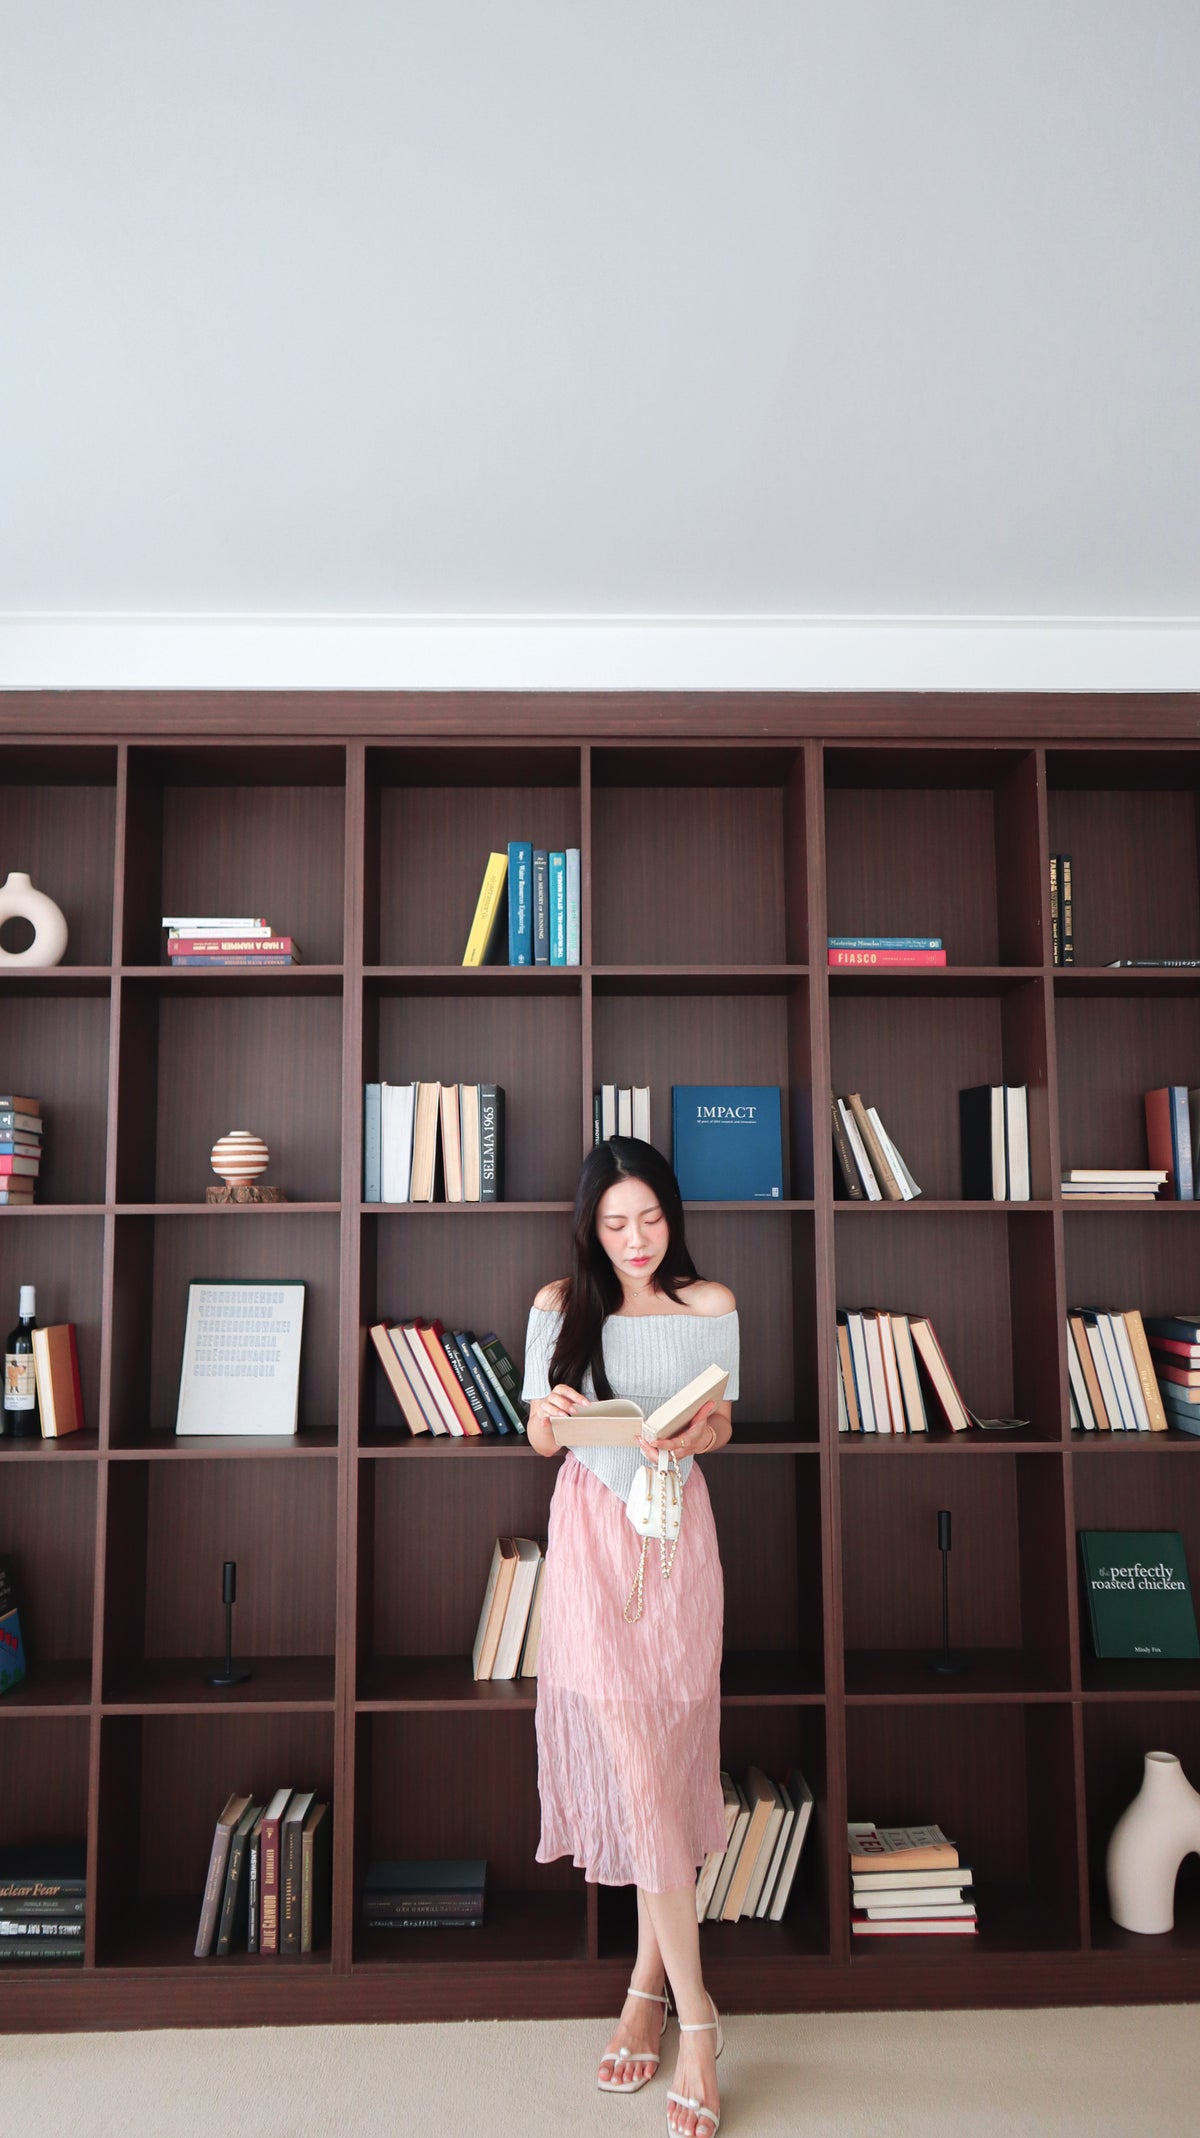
x=628, y=1701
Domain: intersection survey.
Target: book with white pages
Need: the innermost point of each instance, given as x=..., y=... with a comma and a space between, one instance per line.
x=516, y=1614
x=802, y=1798
x=624, y=1110
x=1096, y=1345
x=1116, y=1368
x=1016, y=1141
x=891, y=1371
x=710, y=1870
x=608, y=1111
x=1132, y=1379
x=766, y=1855
x=910, y=1897
x=641, y=1112
x=396, y=1104
x=843, y=1413
x=875, y=1368
x=1079, y=1392
x=779, y=1851
x=866, y=1171
x=619, y=1423
x=729, y=1866
x=908, y=1187
x=903, y=1882
x=862, y=1371
x=939, y=1910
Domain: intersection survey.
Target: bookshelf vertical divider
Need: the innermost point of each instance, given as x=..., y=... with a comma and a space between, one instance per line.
x=722, y=839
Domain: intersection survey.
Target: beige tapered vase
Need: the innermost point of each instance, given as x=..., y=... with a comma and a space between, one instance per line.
x=1148, y=1844
x=19, y=901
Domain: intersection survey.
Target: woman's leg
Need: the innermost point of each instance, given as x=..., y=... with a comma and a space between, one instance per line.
x=677, y=1932
x=640, y=2024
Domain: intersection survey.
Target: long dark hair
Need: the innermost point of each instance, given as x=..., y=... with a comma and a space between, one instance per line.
x=593, y=1290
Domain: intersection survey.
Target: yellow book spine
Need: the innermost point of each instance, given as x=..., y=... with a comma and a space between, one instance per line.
x=495, y=877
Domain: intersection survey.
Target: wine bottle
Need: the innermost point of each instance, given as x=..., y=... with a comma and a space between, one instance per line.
x=21, y=1419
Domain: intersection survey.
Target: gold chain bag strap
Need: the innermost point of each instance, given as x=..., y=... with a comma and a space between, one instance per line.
x=655, y=1507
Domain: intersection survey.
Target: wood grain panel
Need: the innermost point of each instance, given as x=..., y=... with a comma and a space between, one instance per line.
x=43, y=1780
x=962, y=1766
x=1134, y=877
x=754, y=1253
x=459, y=1785
x=1111, y=1052
x=264, y=1248
x=55, y=1048
x=1020, y=866
x=531, y=1048
x=1146, y=1259
x=63, y=1257
x=47, y=1541
x=768, y=1521
x=62, y=837
x=686, y=878
x=277, y=1520
x=434, y=845
x=268, y=1065
x=914, y=861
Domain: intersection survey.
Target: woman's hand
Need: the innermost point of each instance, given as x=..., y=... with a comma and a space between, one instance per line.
x=545, y=1410
x=706, y=1431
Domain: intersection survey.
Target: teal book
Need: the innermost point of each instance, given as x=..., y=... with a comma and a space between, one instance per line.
x=12, y=1651
x=558, y=909
x=520, y=902
x=728, y=1142
x=1138, y=1594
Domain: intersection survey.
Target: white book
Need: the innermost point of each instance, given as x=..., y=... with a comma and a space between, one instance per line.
x=780, y=1850
x=624, y=1110
x=862, y=1371
x=241, y=1358
x=186, y=925
x=882, y=1882
x=964, y=1909
x=729, y=1866
x=1016, y=1123
x=516, y=1616
x=1116, y=1367
x=802, y=1798
x=843, y=1413
x=641, y=1112
x=396, y=1105
x=1104, y=1375
x=905, y=1896
x=866, y=1171
x=908, y=1187
x=1080, y=1399
x=1133, y=1380
x=425, y=1367
x=766, y=1856
x=891, y=1371
x=608, y=1111
x=875, y=1367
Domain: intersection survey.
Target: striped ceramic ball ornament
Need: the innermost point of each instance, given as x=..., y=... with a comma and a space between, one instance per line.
x=239, y=1157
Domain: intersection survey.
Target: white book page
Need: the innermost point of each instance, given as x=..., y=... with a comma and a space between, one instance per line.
x=241, y=1359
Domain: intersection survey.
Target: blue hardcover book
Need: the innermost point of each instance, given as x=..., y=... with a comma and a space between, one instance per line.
x=573, y=916
x=372, y=1141
x=12, y=1652
x=465, y=1339
x=541, y=906
x=728, y=1142
x=1185, y=1417
x=885, y=942
x=1170, y=1326
x=558, y=909
x=520, y=902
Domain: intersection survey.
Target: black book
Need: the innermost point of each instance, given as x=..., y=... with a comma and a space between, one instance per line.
x=982, y=1138
x=235, y=1901
x=291, y=1868
x=253, y=1896
x=491, y=1143
x=48, y=1870
x=465, y=1339
x=466, y=1382
x=41, y=1948
x=847, y=1167
x=506, y=1373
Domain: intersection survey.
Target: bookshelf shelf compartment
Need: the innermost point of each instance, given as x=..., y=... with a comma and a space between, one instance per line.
x=1117, y=1734
x=64, y=1258
x=1129, y=825
x=63, y=804
x=54, y=1047
x=518, y=1930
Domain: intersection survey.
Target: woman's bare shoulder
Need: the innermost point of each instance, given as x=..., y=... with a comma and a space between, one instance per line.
x=550, y=1298
x=704, y=1297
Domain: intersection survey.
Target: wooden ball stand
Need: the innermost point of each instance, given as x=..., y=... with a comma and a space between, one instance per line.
x=244, y=1191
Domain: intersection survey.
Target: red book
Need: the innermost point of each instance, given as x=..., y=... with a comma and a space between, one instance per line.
x=1159, y=1146
x=1186, y=1376
x=213, y=946
x=268, y=1939
x=29, y=1167
x=875, y=958
x=1177, y=1350
x=430, y=1333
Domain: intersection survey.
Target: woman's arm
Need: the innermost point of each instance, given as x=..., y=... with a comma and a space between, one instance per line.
x=710, y=1429
x=543, y=1411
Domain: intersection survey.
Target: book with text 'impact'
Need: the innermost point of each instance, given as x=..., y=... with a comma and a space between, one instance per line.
x=727, y=1142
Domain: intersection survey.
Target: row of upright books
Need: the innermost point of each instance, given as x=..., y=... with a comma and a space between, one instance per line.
x=528, y=906
x=621, y=1110
x=887, y=1365
x=423, y=1142
x=43, y=1901
x=907, y=1881
x=765, y=1827
x=20, y=1148
x=216, y=939
x=510, y=1618
x=1062, y=910
x=269, y=1877
x=869, y=1165
x=450, y=1381
x=1133, y=1375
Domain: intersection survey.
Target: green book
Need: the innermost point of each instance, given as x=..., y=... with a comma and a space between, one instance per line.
x=1138, y=1594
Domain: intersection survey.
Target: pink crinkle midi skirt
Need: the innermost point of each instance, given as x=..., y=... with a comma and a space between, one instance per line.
x=628, y=1716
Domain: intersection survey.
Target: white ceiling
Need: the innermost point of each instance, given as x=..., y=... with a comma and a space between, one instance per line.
x=556, y=308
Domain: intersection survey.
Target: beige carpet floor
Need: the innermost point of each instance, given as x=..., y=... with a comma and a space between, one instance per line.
x=1127, y=2073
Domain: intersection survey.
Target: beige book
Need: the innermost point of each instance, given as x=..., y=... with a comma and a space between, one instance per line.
x=452, y=1172
x=929, y=1351
x=425, y=1143
x=766, y=1854
x=56, y=1369
x=891, y=1371
x=1144, y=1368
x=621, y=1424
x=397, y=1379
x=875, y=1151
x=875, y=1367
x=533, y=1631
x=516, y=1613
x=469, y=1127
x=760, y=1795
x=1087, y=1367
x=910, y=1379
x=710, y=1870
x=716, y=1905
x=909, y=1848
x=495, y=1603
x=847, y=1371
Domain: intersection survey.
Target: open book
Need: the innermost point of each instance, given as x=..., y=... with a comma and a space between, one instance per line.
x=620, y=1424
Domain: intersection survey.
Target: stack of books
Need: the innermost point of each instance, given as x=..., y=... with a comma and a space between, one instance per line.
x=426, y=1142
x=886, y=1364
x=269, y=1877
x=1114, y=1184
x=529, y=904
x=1112, y=1371
x=20, y=1148
x=43, y=1901
x=765, y=1826
x=621, y=1110
x=907, y=1881
x=1175, y=1355
x=1172, y=1130
x=884, y=950
x=214, y=940
x=435, y=1894
x=993, y=1124
x=510, y=1620
x=1062, y=916
x=868, y=1164
x=450, y=1381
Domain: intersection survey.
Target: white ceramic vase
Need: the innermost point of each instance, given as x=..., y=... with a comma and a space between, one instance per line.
x=19, y=901
x=1148, y=1844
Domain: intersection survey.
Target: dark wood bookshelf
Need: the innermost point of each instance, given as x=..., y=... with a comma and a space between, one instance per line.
x=723, y=837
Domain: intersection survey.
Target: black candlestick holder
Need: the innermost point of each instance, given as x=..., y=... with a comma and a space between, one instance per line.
x=945, y=1662
x=232, y=1673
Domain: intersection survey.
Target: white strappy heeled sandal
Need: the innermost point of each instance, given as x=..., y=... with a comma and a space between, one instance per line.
x=634, y=2056
x=683, y=2100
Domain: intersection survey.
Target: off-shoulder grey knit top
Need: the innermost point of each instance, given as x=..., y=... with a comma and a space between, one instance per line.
x=647, y=1358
